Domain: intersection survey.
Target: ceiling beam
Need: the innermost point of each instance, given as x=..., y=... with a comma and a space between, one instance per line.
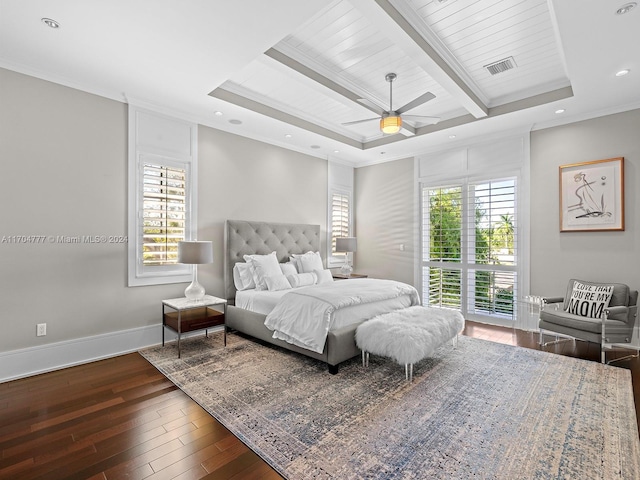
x=318, y=78
x=263, y=109
x=394, y=26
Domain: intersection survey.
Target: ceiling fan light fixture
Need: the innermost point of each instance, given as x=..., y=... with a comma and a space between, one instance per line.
x=391, y=124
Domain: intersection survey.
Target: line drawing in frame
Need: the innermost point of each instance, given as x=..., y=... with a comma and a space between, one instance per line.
x=592, y=196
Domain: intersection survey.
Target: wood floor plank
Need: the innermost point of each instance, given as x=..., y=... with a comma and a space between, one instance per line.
x=120, y=418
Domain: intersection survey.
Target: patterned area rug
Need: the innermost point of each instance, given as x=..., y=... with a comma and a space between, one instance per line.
x=483, y=410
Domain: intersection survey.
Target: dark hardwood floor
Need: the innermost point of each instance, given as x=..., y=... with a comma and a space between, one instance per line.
x=120, y=418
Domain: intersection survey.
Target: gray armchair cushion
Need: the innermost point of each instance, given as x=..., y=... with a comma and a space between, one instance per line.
x=577, y=322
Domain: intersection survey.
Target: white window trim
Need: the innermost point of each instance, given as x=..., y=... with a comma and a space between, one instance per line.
x=138, y=275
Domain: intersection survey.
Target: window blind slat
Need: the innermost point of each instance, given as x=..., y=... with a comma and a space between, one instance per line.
x=163, y=212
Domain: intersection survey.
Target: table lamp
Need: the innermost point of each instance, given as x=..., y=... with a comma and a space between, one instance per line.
x=195, y=253
x=346, y=245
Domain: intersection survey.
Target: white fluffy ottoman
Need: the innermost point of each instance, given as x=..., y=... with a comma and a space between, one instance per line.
x=408, y=335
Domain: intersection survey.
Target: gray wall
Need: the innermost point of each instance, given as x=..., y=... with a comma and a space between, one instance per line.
x=242, y=179
x=64, y=161
x=385, y=210
x=385, y=219
x=597, y=256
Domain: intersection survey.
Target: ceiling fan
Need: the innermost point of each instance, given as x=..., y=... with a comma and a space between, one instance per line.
x=391, y=120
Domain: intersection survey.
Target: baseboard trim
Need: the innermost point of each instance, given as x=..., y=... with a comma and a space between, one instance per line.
x=30, y=361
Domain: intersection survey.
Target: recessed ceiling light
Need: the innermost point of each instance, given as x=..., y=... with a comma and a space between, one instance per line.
x=235, y=122
x=560, y=110
x=217, y=113
x=622, y=73
x=626, y=8
x=288, y=135
x=452, y=136
x=336, y=151
x=50, y=23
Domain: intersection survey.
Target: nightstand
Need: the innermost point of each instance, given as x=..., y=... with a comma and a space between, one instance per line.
x=189, y=316
x=342, y=276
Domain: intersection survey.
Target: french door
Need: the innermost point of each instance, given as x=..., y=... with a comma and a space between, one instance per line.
x=469, y=248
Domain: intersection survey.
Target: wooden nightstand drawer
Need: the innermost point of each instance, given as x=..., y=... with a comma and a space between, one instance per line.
x=194, y=319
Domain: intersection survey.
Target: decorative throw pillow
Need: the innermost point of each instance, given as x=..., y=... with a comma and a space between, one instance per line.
x=588, y=300
x=242, y=277
x=302, y=279
x=277, y=282
x=324, y=276
x=263, y=266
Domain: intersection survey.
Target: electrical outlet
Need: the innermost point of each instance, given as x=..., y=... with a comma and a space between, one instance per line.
x=41, y=329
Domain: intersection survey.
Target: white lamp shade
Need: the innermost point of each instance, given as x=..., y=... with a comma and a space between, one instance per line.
x=346, y=244
x=195, y=252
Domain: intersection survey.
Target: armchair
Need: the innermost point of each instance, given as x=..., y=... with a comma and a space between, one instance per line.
x=584, y=314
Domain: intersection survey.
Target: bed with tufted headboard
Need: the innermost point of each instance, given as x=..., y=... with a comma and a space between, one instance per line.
x=261, y=238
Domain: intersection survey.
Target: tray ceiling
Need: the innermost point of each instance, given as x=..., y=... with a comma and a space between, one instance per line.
x=293, y=73
x=318, y=73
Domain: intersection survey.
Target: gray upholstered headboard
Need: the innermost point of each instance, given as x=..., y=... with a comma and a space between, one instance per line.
x=260, y=238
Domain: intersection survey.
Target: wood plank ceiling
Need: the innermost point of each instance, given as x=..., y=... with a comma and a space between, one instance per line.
x=315, y=77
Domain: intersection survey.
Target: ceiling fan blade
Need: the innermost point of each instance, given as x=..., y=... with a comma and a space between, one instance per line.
x=422, y=118
x=361, y=121
x=424, y=98
x=372, y=106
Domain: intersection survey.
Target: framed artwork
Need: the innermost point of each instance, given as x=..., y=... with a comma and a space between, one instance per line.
x=592, y=196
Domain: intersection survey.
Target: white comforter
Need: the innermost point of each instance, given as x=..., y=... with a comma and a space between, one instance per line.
x=304, y=317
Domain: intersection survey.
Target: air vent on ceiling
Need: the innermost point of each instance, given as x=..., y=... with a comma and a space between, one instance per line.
x=501, y=66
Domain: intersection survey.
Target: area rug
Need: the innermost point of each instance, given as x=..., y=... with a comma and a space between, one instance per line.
x=482, y=410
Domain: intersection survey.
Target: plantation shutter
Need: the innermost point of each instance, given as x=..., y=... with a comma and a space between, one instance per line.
x=492, y=247
x=164, y=213
x=469, y=247
x=442, y=246
x=340, y=215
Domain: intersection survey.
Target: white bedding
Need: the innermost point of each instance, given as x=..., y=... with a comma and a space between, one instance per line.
x=259, y=301
x=305, y=315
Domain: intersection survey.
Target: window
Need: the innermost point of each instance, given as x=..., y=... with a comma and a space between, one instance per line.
x=162, y=169
x=469, y=248
x=339, y=211
x=163, y=212
x=340, y=220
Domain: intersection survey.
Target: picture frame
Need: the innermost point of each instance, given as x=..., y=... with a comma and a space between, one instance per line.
x=592, y=196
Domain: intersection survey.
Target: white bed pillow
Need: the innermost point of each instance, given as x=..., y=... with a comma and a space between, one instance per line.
x=312, y=259
x=242, y=277
x=277, y=282
x=288, y=268
x=263, y=266
x=302, y=279
x=323, y=276
x=310, y=262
